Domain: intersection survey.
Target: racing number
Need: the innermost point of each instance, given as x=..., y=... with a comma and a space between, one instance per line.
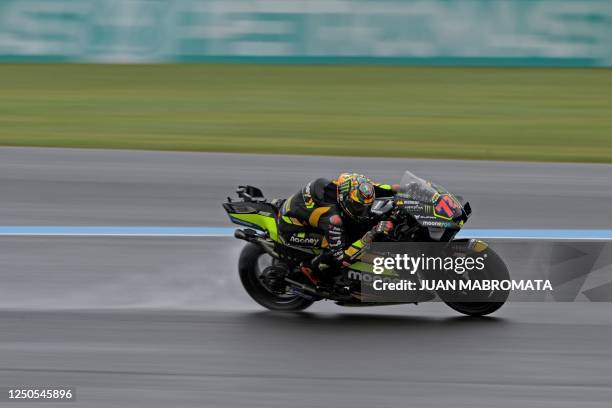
x=446, y=206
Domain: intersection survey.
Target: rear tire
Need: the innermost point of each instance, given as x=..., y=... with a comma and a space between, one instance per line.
x=249, y=270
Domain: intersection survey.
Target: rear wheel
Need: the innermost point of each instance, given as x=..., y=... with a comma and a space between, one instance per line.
x=487, y=302
x=253, y=266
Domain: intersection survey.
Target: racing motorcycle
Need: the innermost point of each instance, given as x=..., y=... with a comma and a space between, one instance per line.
x=422, y=212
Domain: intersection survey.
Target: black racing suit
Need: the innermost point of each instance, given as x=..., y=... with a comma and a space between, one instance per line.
x=313, y=218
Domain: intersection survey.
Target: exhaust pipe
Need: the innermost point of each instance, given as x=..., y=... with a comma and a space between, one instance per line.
x=250, y=235
x=240, y=234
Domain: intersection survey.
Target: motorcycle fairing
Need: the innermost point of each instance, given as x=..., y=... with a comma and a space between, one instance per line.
x=258, y=215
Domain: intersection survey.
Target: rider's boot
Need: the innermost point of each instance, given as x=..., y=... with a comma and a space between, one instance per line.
x=322, y=277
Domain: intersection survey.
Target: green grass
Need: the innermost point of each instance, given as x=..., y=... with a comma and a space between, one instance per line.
x=469, y=113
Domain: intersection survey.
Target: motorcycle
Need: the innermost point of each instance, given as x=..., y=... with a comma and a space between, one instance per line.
x=422, y=212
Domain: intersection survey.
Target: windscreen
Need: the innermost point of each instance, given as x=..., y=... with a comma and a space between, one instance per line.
x=444, y=205
x=415, y=188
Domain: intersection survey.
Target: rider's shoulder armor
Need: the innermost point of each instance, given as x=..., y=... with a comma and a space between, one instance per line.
x=314, y=193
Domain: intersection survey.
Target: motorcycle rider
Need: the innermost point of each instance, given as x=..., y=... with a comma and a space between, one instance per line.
x=320, y=213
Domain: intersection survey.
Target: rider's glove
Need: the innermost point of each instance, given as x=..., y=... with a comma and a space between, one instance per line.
x=383, y=227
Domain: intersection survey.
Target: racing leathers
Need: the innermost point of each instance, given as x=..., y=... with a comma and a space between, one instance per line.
x=313, y=218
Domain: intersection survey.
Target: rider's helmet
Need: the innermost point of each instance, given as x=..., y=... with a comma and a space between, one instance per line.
x=355, y=195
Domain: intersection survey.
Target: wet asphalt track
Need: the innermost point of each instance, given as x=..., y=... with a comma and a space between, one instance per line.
x=419, y=358
x=172, y=327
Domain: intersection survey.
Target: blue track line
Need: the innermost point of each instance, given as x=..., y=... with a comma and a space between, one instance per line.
x=153, y=231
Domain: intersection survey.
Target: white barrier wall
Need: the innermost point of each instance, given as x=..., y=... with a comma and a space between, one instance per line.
x=481, y=32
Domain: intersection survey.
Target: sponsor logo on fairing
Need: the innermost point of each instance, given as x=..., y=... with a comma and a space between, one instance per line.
x=369, y=277
x=304, y=241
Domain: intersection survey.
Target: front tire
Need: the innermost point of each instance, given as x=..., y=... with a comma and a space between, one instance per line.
x=250, y=263
x=496, y=269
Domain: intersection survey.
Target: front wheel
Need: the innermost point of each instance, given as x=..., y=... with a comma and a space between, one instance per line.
x=488, y=302
x=251, y=266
